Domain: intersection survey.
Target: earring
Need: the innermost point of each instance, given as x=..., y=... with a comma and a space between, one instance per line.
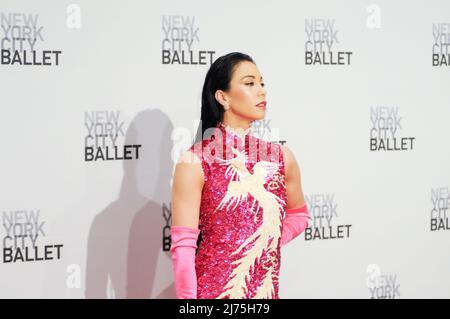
x=226, y=107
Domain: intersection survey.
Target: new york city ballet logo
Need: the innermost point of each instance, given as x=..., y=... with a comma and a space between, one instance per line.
x=167, y=216
x=21, y=35
x=263, y=129
x=23, y=233
x=440, y=199
x=104, y=139
x=382, y=286
x=323, y=211
x=441, y=44
x=181, y=40
x=321, y=40
x=385, y=133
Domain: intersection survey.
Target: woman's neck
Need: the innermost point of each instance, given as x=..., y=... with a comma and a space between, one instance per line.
x=236, y=123
x=235, y=130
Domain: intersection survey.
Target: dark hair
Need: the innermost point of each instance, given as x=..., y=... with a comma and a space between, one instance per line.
x=218, y=77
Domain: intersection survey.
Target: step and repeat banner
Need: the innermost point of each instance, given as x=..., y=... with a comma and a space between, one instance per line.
x=99, y=98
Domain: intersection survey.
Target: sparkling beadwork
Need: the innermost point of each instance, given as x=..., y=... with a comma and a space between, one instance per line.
x=241, y=210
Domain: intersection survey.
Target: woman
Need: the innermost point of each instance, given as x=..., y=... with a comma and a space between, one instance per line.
x=240, y=194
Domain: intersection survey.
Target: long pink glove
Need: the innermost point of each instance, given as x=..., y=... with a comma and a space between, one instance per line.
x=184, y=244
x=294, y=223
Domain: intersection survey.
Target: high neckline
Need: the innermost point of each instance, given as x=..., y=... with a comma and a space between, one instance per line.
x=232, y=131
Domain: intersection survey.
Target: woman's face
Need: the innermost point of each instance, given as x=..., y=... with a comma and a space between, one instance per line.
x=246, y=91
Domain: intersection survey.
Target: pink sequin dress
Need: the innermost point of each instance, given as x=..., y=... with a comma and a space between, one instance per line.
x=242, y=206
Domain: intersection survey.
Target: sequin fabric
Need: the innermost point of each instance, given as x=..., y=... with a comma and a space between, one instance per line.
x=242, y=206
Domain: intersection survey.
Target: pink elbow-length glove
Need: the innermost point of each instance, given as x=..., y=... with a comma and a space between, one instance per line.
x=183, y=246
x=294, y=223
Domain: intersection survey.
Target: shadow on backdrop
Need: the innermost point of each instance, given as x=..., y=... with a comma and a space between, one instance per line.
x=125, y=258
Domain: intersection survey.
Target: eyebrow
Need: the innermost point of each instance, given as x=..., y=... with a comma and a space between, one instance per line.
x=252, y=76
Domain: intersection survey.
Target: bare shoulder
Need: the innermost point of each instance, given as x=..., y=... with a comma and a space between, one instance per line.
x=188, y=157
x=292, y=168
x=295, y=197
x=188, y=168
x=289, y=157
x=186, y=190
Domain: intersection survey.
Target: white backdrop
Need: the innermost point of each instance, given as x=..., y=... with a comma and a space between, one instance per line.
x=75, y=227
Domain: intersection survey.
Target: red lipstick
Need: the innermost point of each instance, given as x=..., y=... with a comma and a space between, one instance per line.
x=262, y=104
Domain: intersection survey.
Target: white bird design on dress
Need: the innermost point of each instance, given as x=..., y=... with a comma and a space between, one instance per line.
x=242, y=183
